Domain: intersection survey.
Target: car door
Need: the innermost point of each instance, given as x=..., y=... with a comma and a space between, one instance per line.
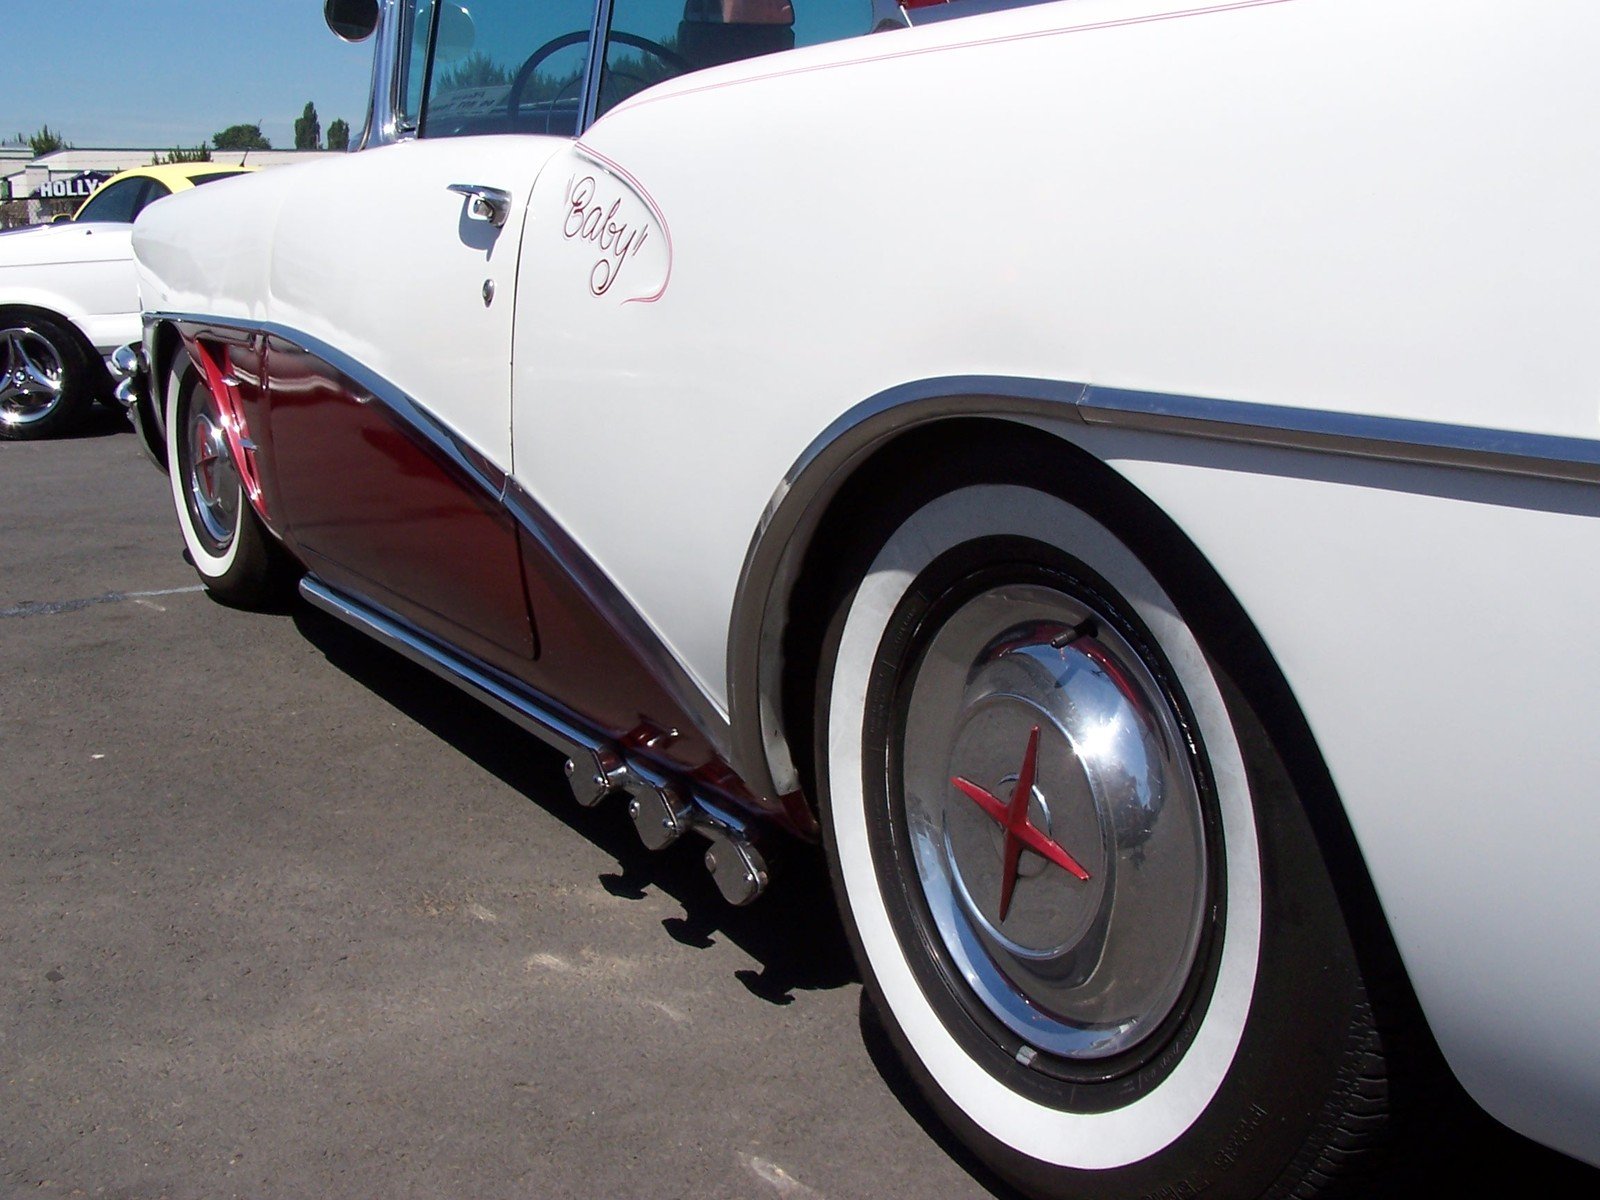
x=391, y=299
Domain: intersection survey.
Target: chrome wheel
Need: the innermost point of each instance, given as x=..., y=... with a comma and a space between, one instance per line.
x=214, y=490
x=1055, y=821
x=32, y=377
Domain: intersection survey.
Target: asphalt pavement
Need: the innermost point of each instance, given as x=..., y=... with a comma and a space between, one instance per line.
x=287, y=917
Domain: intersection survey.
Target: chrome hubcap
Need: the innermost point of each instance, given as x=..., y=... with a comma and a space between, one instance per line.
x=1055, y=821
x=213, y=479
x=30, y=376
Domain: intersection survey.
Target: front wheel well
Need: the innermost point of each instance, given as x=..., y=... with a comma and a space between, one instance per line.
x=162, y=348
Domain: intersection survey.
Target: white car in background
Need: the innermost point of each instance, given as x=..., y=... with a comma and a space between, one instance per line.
x=69, y=300
x=1122, y=476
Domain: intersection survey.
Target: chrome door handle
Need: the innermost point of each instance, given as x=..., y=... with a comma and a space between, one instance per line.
x=489, y=204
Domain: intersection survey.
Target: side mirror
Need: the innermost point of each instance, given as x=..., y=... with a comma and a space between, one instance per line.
x=60, y=218
x=351, y=20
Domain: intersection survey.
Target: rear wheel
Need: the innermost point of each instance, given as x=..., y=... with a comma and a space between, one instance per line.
x=1082, y=891
x=239, y=561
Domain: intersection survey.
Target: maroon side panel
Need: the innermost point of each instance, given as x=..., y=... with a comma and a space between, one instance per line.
x=587, y=664
x=374, y=508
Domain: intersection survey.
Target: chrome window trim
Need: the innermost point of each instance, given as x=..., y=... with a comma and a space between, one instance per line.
x=385, y=95
x=383, y=98
x=384, y=126
x=595, y=66
x=760, y=753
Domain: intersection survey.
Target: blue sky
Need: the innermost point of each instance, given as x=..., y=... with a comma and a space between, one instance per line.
x=163, y=73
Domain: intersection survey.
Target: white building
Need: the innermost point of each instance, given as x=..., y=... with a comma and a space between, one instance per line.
x=14, y=160
x=61, y=166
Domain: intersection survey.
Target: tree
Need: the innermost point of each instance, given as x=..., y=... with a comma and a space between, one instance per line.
x=478, y=70
x=339, y=134
x=46, y=141
x=241, y=137
x=308, y=129
x=181, y=154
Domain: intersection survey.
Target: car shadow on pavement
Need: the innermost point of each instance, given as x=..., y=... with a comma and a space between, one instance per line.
x=101, y=421
x=898, y=1080
x=795, y=936
x=792, y=932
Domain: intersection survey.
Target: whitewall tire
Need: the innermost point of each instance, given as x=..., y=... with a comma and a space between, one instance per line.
x=238, y=560
x=1083, y=895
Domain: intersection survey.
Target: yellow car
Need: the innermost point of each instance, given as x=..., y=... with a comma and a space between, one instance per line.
x=121, y=197
x=68, y=299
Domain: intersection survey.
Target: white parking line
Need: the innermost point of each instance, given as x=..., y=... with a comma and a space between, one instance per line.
x=47, y=608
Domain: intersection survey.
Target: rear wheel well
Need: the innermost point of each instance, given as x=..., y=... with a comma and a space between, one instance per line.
x=968, y=450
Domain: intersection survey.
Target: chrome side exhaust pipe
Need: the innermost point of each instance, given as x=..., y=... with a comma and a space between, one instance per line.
x=603, y=774
x=663, y=807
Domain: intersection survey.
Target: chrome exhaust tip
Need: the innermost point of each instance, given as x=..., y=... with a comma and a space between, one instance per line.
x=594, y=775
x=737, y=868
x=127, y=366
x=661, y=816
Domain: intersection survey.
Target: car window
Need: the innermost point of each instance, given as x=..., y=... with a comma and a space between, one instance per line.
x=417, y=24
x=504, y=66
x=153, y=191
x=121, y=201
x=202, y=180
x=652, y=40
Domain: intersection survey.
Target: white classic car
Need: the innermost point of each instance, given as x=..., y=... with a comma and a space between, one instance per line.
x=69, y=300
x=1120, y=474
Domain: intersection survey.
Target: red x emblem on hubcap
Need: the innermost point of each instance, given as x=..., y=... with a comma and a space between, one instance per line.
x=1020, y=831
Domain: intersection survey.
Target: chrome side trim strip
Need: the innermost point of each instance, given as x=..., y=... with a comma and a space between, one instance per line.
x=759, y=752
x=709, y=814
x=1426, y=443
x=590, y=579
x=483, y=683
x=465, y=457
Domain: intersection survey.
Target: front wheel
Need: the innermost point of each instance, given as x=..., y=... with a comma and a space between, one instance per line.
x=239, y=561
x=46, y=377
x=1082, y=892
